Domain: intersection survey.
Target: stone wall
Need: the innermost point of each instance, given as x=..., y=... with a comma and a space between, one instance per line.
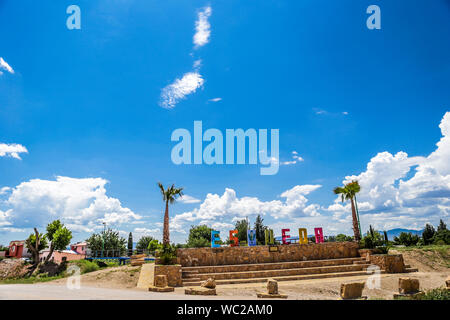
x=265, y=254
x=173, y=273
x=391, y=263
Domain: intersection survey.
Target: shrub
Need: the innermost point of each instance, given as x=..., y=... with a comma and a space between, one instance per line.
x=433, y=294
x=382, y=249
x=167, y=254
x=86, y=265
x=372, y=239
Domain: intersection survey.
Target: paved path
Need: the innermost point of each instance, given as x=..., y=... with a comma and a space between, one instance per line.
x=42, y=291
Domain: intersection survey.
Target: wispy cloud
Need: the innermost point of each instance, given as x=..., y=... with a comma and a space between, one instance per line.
x=5, y=66
x=215, y=100
x=12, y=150
x=202, y=27
x=295, y=159
x=179, y=89
x=191, y=81
x=189, y=199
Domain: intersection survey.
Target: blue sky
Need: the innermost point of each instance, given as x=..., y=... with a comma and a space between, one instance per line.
x=86, y=106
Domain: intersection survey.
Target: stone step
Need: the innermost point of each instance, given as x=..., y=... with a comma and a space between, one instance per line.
x=285, y=278
x=281, y=272
x=268, y=266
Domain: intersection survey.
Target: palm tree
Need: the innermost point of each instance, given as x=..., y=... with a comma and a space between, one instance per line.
x=348, y=192
x=169, y=196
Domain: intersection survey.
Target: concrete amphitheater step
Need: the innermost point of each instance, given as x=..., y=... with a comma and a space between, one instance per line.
x=281, y=272
x=194, y=271
x=285, y=278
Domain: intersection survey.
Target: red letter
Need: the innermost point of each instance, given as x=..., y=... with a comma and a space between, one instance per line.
x=285, y=236
x=319, y=235
x=234, y=240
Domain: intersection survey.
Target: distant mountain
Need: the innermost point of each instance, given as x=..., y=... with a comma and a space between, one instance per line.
x=396, y=232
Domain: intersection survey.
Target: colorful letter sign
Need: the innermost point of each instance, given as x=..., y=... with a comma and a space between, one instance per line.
x=233, y=239
x=215, y=239
x=302, y=236
x=268, y=235
x=251, y=238
x=319, y=235
x=285, y=236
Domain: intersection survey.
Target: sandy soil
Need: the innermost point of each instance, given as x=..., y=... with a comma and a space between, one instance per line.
x=432, y=273
x=123, y=277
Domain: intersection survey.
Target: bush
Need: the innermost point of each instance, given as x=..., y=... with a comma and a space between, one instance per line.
x=86, y=265
x=167, y=254
x=382, y=249
x=372, y=239
x=433, y=294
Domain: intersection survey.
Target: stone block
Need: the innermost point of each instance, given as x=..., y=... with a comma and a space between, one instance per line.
x=172, y=272
x=271, y=296
x=159, y=289
x=200, y=291
x=408, y=285
x=160, y=281
x=272, y=286
x=352, y=290
x=391, y=263
x=209, y=283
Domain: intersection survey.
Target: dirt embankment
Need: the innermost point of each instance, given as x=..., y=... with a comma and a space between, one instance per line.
x=115, y=278
x=426, y=260
x=12, y=268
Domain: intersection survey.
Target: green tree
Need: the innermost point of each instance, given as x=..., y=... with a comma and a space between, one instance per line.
x=442, y=236
x=153, y=245
x=259, y=229
x=143, y=243
x=242, y=227
x=35, y=243
x=428, y=234
x=169, y=196
x=112, y=242
x=348, y=192
x=406, y=239
x=199, y=236
x=59, y=237
x=386, y=239
x=342, y=238
x=442, y=226
x=130, y=244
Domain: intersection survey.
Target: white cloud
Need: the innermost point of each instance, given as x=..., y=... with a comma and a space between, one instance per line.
x=295, y=159
x=202, y=27
x=173, y=93
x=403, y=191
x=4, y=190
x=5, y=66
x=12, y=150
x=80, y=203
x=215, y=99
x=188, y=199
x=218, y=211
